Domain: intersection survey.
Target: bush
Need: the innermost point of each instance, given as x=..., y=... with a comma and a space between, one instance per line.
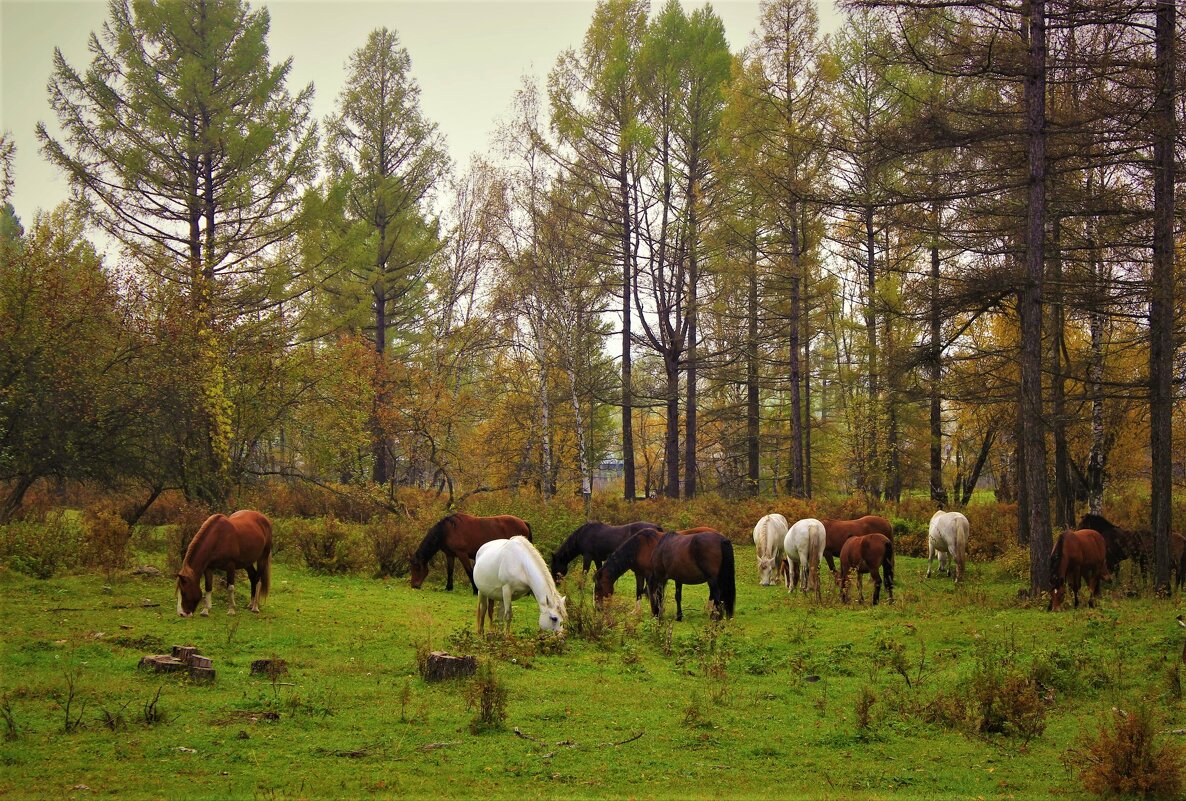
x=326, y=546
x=42, y=550
x=1128, y=758
x=105, y=537
x=391, y=546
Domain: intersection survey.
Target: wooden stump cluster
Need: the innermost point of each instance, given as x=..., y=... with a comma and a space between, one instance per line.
x=185, y=658
x=441, y=666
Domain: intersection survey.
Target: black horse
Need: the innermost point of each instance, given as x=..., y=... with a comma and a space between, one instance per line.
x=595, y=541
x=1138, y=546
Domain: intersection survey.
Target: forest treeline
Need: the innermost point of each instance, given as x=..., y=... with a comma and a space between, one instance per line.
x=935, y=246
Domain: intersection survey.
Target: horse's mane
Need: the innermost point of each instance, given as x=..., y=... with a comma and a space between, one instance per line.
x=1098, y=522
x=537, y=559
x=622, y=559
x=1056, y=560
x=433, y=540
x=199, y=538
x=570, y=547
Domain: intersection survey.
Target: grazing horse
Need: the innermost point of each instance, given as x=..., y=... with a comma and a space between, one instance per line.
x=460, y=536
x=633, y=554
x=243, y=540
x=1138, y=546
x=694, y=558
x=595, y=541
x=1077, y=555
x=865, y=554
x=768, y=538
x=838, y=532
x=508, y=569
x=948, y=537
x=804, y=546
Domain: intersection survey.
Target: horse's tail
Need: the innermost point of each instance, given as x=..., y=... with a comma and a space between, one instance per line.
x=887, y=565
x=963, y=531
x=528, y=534
x=265, y=567
x=727, y=578
x=815, y=552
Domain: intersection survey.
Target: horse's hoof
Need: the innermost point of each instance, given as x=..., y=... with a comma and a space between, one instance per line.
x=230, y=611
x=205, y=613
x=254, y=609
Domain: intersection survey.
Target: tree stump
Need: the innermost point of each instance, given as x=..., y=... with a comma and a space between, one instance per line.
x=441, y=666
x=201, y=675
x=269, y=667
x=184, y=652
x=162, y=663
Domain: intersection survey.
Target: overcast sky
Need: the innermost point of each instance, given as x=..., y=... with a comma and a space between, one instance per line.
x=468, y=57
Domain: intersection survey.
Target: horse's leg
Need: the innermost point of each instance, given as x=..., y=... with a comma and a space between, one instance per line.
x=253, y=577
x=482, y=604
x=206, y=600
x=876, y=576
x=506, y=606
x=468, y=567
x=1074, y=578
x=448, y=571
x=831, y=564
x=679, y=601
x=931, y=557
x=230, y=591
x=589, y=561
x=860, y=587
x=784, y=570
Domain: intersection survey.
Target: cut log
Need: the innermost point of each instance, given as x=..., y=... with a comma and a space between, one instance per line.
x=162, y=663
x=269, y=667
x=201, y=675
x=199, y=661
x=441, y=666
x=184, y=652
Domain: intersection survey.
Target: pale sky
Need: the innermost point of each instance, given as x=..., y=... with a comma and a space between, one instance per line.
x=468, y=57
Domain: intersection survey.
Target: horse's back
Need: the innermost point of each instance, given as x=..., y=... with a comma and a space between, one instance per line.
x=769, y=534
x=252, y=533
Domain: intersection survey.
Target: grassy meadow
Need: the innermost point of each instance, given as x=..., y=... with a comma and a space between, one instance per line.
x=955, y=692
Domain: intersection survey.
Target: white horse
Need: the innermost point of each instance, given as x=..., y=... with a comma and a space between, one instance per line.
x=804, y=546
x=768, y=537
x=508, y=569
x=948, y=536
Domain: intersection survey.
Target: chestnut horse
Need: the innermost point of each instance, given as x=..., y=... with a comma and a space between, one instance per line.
x=595, y=541
x=697, y=557
x=460, y=536
x=838, y=531
x=1077, y=555
x=866, y=553
x=243, y=540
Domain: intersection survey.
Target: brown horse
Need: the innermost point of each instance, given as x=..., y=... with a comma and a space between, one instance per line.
x=460, y=536
x=839, y=531
x=1136, y=545
x=866, y=553
x=1077, y=555
x=698, y=557
x=243, y=540
x=594, y=542
x=633, y=554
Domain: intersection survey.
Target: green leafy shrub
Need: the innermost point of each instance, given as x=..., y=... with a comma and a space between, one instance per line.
x=487, y=697
x=326, y=545
x=105, y=537
x=391, y=546
x=43, y=549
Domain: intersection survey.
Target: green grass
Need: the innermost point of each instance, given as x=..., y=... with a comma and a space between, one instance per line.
x=724, y=712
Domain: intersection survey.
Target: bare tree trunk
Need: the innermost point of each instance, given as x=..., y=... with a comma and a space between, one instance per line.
x=582, y=448
x=938, y=493
x=874, y=435
x=1064, y=500
x=693, y=291
x=1161, y=305
x=795, y=480
x=671, y=437
x=1033, y=435
x=1095, y=381
x=378, y=435
x=627, y=292
x=752, y=408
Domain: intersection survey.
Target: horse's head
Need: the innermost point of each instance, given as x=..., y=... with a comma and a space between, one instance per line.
x=602, y=586
x=551, y=618
x=189, y=592
x=419, y=571
x=559, y=567
x=766, y=569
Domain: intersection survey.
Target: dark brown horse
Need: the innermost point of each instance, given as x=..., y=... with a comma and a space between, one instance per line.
x=241, y=541
x=460, y=536
x=1077, y=556
x=865, y=554
x=695, y=558
x=839, y=531
x=1136, y=545
x=595, y=541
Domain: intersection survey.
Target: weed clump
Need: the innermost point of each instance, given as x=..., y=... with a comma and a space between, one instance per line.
x=187, y=519
x=487, y=697
x=42, y=549
x=1126, y=757
x=105, y=537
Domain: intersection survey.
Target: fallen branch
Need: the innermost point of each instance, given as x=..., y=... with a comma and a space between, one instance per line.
x=623, y=742
x=435, y=746
x=571, y=744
